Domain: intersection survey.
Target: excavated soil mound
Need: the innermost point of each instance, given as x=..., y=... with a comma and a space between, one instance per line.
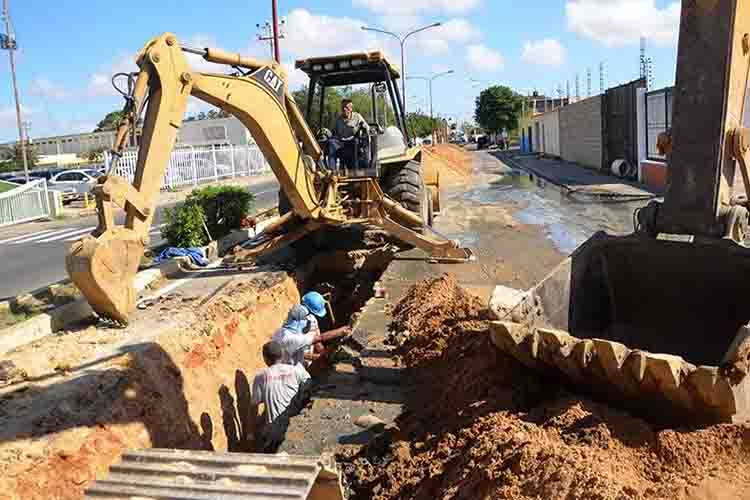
x=454, y=164
x=481, y=426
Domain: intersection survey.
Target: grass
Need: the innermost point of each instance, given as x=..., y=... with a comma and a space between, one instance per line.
x=10, y=318
x=7, y=186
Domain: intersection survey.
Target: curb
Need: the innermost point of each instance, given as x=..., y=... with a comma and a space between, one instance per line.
x=47, y=323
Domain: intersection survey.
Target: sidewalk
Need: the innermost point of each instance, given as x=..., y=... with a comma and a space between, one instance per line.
x=577, y=179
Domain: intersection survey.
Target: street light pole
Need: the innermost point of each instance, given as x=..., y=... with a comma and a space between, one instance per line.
x=9, y=44
x=402, y=41
x=429, y=80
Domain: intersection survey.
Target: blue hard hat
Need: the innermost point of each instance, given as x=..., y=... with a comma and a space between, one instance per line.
x=296, y=319
x=315, y=303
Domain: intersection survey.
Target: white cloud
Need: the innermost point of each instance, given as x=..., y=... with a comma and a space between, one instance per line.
x=438, y=41
x=310, y=35
x=8, y=116
x=620, y=22
x=44, y=87
x=547, y=52
x=100, y=82
x=483, y=58
x=411, y=7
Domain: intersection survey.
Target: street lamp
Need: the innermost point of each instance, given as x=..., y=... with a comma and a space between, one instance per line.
x=401, y=41
x=429, y=80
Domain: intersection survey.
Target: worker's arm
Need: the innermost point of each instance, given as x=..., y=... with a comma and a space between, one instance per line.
x=344, y=331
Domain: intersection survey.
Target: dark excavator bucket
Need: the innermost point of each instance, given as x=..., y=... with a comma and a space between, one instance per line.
x=657, y=326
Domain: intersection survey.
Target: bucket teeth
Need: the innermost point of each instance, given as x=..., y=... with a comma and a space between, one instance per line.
x=569, y=354
x=517, y=340
x=712, y=389
x=667, y=370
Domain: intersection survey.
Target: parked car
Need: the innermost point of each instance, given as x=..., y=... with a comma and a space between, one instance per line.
x=483, y=142
x=76, y=181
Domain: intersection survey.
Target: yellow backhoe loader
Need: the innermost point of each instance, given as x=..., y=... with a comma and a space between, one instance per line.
x=657, y=321
x=381, y=182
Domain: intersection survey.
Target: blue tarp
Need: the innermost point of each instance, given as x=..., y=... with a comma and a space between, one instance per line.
x=195, y=254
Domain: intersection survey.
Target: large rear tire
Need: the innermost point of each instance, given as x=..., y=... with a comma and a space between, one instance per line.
x=406, y=186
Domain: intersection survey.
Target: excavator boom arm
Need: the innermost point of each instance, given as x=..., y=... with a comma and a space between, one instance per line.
x=103, y=265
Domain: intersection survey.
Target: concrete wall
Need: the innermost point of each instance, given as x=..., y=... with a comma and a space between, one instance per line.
x=581, y=132
x=547, y=141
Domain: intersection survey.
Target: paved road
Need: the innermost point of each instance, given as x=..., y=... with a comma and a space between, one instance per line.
x=37, y=258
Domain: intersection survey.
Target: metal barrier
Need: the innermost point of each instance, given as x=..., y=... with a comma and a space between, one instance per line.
x=24, y=203
x=191, y=166
x=658, y=119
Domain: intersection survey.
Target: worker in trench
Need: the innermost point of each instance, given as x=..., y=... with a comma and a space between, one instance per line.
x=283, y=389
x=300, y=336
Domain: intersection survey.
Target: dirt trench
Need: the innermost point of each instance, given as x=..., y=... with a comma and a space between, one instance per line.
x=481, y=426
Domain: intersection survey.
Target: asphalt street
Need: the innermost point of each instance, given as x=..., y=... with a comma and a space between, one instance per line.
x=36, y=258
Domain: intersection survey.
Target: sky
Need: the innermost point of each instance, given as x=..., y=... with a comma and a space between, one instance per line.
x=69, y=49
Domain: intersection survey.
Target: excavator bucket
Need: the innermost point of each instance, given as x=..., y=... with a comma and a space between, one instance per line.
x=103, y=269
x=658, y=327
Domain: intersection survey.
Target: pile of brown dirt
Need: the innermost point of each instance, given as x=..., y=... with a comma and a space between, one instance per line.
x=481, y=426
x=455, y=164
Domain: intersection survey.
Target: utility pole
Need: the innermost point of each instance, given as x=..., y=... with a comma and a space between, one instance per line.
x=602, y=82
x=588, y=82
x=8, y=42
x=276, y=50
x=265, y=34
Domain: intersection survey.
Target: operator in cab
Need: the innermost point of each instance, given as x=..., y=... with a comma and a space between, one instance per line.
x=341, y=145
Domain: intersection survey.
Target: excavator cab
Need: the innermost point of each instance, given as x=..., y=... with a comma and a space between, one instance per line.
x=365, y=68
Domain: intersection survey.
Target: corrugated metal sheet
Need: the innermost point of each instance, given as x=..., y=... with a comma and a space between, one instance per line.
x=201, y=475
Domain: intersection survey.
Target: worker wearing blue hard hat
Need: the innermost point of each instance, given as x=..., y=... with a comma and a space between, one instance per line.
x=300, y=335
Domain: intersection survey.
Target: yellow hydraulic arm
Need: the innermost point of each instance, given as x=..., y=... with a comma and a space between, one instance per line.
x=104, y=264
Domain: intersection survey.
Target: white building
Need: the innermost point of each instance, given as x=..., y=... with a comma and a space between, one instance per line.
x=219, y=131
x=216, y=132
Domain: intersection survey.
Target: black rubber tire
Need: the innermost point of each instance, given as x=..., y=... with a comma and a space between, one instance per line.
x=406, y=186
x=284, y=206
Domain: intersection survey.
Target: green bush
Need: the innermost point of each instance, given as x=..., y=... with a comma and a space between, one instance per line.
x=222, y=208
x=184, y=227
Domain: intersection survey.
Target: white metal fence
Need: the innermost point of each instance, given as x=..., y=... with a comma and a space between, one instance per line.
x=24, y=203
x=197, y=165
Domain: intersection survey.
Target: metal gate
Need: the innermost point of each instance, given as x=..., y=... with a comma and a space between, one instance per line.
x=620, y=127
x=24, y=203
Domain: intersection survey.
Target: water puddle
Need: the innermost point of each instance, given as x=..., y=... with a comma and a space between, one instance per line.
x=568, y=218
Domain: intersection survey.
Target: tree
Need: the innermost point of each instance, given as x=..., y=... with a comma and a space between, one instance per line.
x=110, y=122
x=360, y=97
x=13, y=157
x=421, y=125
x=498, y=108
